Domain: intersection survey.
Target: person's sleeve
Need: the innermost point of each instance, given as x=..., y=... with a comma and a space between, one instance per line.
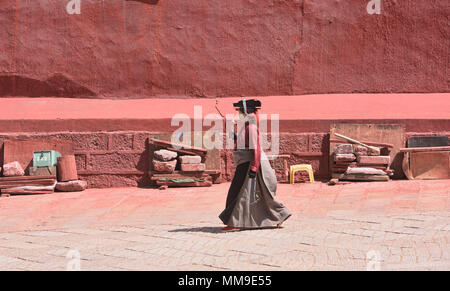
x=254, y=145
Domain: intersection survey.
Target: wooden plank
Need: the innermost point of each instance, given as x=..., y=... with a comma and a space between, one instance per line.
x=353, y=141
x=22, y=150
x=365, y=171
x=26, y=178
x=28, y=182
x=376, y=144
x=176, y=145
x=212, y=172
x=190, y=184
x=378, y=167
x=13, y=184
x=180, y=176
x=425, y=149
x=391, y=134
x=21, y=192
x=365, y=178
x=207, y=172
x=371, y=165
x=430, y=165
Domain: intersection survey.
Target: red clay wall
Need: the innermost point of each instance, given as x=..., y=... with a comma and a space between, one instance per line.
x=116, y=159
x=133, y=49
x=120, y=159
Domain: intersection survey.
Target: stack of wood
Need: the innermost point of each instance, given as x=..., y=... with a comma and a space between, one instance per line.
x=357, y=161
x=15, y=181
x=189, y=171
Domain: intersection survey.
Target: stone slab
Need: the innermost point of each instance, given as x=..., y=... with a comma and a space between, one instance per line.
x=369, y=160
x=193, y=167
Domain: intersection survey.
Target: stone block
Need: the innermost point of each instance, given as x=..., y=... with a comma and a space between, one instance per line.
x=71, y=186
x=121, y=142
x=88, y=141
x=13, y=169
x=193, y=167
x=363, y=151
x=374, y=152
x=343, y=149
x=164, y=167
x=374, y=160
x=344, y=157
x=190, y=159
x=113, y=161
x=165, y=155
x=365, y=171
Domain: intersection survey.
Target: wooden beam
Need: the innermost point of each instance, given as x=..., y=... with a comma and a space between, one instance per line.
x=189, y=184
x=21, y=191
x=181, y=146
x=27, y=178
x=23, y=183
x=377, y=144
x=425, y=149
x=355, y=141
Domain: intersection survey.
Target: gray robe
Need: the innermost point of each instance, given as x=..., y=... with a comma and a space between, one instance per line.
x=251, y=202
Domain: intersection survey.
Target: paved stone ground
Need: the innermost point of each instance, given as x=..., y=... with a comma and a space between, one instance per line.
x=402, y=225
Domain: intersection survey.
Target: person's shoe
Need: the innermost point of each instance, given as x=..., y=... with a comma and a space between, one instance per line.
x=227, y=228
x=279, y=224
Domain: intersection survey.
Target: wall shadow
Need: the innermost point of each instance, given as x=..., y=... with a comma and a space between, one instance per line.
x=58, y=85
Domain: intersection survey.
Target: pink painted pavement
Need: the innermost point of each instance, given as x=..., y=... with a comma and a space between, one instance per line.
x=95, y=207
x=407, y=223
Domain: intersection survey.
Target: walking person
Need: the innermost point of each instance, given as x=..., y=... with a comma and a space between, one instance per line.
x=251, y=198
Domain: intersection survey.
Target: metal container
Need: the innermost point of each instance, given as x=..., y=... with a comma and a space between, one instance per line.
x=45, y=158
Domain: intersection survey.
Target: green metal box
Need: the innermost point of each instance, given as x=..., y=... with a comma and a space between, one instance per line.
x=45, y=158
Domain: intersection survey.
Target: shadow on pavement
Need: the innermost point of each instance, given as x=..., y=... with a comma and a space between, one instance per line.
x=218, y=229
x=199, y=229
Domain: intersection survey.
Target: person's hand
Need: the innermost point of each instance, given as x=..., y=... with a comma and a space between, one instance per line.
x=252, y=174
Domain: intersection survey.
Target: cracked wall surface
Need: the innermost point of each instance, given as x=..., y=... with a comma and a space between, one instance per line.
x=215, y=48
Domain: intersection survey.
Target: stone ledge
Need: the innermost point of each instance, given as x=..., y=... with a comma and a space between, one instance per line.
x=305, y=113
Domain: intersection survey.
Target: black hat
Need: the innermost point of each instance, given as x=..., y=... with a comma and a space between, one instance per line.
x=248, y=106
